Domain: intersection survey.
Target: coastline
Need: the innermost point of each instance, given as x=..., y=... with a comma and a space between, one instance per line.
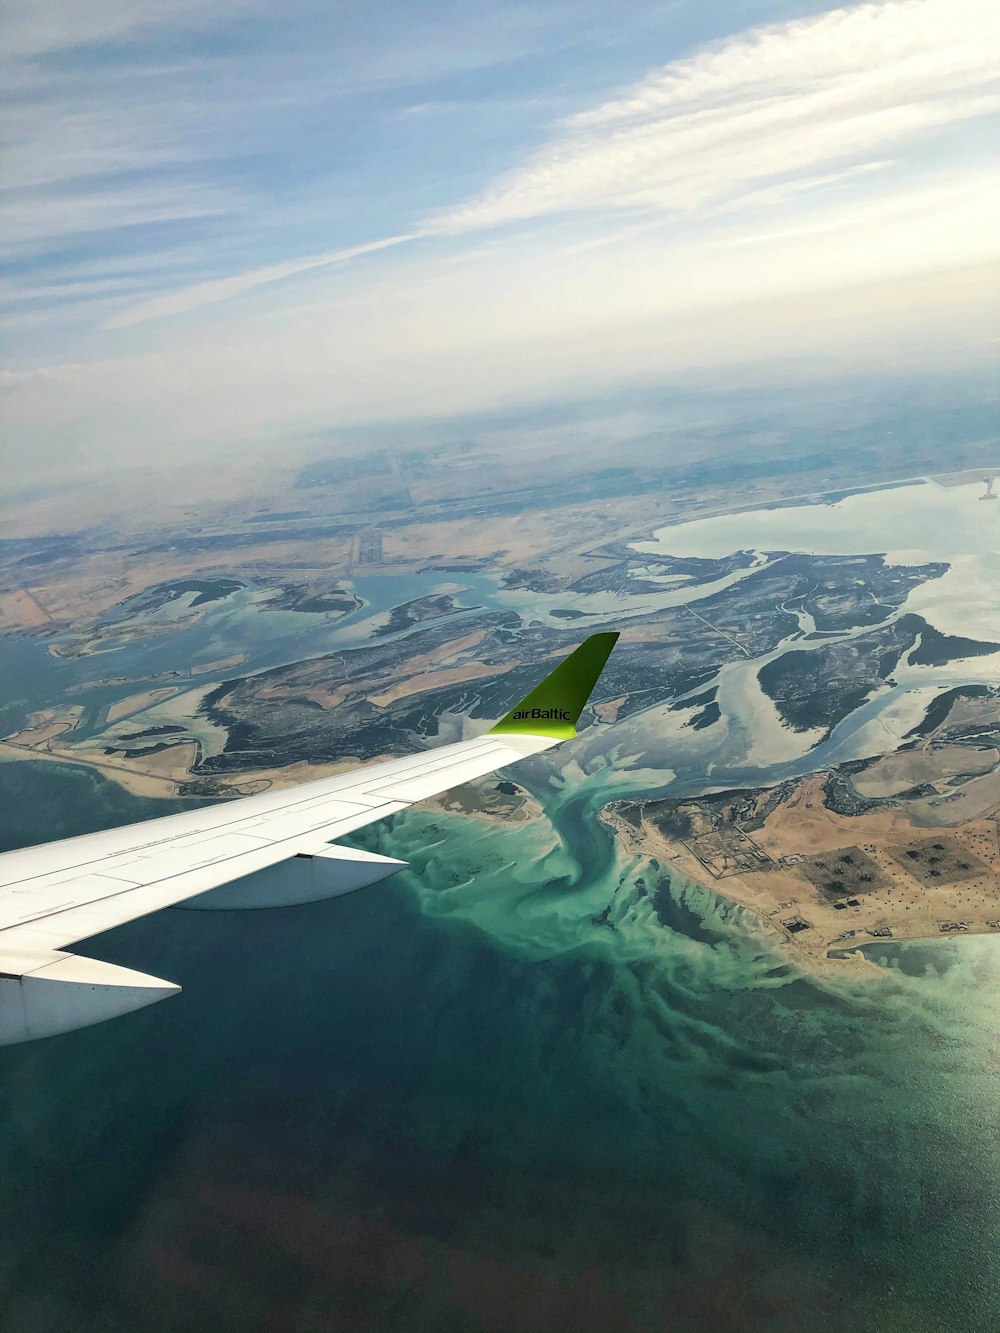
x=176, y=774
x=814, y=929
x=938, y=779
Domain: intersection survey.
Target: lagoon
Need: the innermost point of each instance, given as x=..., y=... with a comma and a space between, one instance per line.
x=535, y=1082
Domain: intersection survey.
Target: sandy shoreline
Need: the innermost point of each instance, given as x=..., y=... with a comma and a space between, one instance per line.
x=135, y=780
x=175, y=770
x=815, y=930
x=773, y=867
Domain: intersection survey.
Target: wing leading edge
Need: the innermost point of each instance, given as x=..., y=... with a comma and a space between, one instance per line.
x=58, y=893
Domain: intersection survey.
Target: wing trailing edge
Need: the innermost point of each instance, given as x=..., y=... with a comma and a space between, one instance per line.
x=60, y=893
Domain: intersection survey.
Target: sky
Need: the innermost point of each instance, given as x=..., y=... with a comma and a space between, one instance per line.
x=228, y=223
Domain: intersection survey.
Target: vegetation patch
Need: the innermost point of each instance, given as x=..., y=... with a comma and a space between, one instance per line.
x=843, y=873
x=937, y=861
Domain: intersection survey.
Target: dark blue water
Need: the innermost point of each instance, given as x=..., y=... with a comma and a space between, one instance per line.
x=395, y=1112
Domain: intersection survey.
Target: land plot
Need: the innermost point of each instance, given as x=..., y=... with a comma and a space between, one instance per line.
x=904, y=770
x=843, y=873
x=936, y=861
x=729, y=851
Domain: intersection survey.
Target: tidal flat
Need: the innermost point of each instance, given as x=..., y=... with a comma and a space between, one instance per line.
x=543, y=1080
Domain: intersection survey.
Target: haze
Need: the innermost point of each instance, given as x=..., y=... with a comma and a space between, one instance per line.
x=227, y=225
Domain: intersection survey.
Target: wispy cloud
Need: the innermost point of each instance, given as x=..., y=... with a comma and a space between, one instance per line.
x=782, y=100
x=34, y=29
x=190, y=187
x=64, y=215
x=221, y=289
x=749, y=124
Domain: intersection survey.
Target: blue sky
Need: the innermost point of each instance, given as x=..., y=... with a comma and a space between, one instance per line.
x=227, y=221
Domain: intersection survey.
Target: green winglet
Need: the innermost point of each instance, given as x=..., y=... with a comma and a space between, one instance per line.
x=553, y=707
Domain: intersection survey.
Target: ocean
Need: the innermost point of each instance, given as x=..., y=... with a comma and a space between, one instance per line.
x=386, y=1113
x=534, y=1084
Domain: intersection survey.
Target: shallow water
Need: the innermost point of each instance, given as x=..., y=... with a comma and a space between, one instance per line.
x=454, y=1102
x=912, y=524
x=532, y=1083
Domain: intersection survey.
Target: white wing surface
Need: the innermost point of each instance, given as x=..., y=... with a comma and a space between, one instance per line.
x=59, y=893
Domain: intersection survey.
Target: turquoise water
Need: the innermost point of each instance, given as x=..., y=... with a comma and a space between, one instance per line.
x=453, y=1103
x=532, y=1083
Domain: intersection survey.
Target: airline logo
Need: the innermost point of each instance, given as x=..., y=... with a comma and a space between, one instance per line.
x=543, y=714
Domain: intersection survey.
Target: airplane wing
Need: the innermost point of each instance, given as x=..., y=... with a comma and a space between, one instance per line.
x=58, y=893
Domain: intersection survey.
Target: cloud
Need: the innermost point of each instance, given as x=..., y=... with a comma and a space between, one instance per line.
x=221, y=289
x=34, y=29
x=69, y=214
x=845, y=85
x=518, y=323
x=264, y=135
x=919, y=47
x=825, y=183
x=749, y=124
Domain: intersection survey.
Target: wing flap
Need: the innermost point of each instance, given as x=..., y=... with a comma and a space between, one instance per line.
x=62, y=892
x=105, y=908
x=54, y=895
x=76, y=908
x=94, y=892
x=67, y=992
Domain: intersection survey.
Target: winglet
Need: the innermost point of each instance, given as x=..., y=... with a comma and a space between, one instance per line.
x=553, y=707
